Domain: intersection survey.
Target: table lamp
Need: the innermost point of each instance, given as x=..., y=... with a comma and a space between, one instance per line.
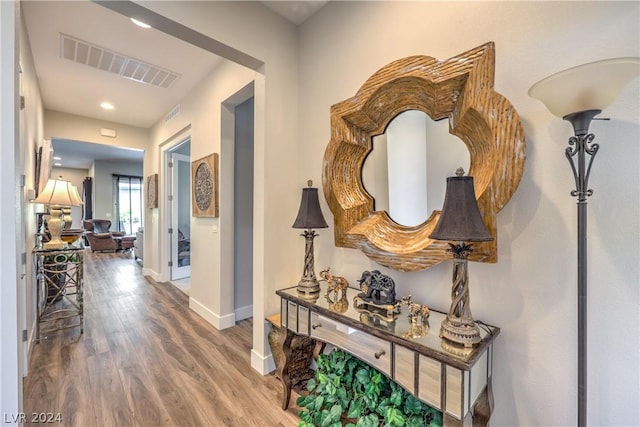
x=461, y=222
x=57, y=194
x=66, y=210
x=577, y=95
x=309, y=217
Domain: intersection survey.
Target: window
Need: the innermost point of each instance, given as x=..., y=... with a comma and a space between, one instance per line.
x=127, y=199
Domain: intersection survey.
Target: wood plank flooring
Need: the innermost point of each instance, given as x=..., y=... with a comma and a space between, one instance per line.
x=146, y=359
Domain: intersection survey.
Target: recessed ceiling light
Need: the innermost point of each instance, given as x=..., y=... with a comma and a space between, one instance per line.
x=107, y=106
x=57, y=164
x=140, y=23
x=57, y=158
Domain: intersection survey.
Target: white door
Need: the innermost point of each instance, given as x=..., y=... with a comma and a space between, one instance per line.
x=180, y=200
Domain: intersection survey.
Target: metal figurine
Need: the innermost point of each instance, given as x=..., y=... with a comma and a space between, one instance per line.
x=335, y=284
x=378, y=296
x=377, y=288
x=418, y=313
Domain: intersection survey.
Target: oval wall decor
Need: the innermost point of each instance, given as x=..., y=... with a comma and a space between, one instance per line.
x=152, y=191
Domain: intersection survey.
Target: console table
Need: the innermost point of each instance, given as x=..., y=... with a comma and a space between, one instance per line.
x=451, y=378
x=59, y=290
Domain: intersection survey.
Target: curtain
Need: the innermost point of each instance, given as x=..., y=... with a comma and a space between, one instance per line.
x=87, y=198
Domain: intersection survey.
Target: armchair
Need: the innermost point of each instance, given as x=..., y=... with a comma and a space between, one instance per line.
x=98, y=235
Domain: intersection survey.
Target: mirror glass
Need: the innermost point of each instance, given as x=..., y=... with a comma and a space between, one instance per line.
x=406, y=170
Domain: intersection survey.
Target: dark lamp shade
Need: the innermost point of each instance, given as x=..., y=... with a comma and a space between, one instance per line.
x=460, y=219
x=309, y=214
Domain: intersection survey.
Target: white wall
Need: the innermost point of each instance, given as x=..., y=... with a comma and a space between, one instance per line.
x=10, y=381
x=79, y=128
x=531, y=292
x=201, y=110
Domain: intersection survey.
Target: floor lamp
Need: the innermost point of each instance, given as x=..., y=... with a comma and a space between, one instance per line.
x=578, y=95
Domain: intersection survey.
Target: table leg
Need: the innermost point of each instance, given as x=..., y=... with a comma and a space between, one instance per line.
x=483, y=407
x=284, y=342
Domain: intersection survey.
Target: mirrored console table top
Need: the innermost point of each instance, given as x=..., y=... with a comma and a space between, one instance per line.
x=400, y=330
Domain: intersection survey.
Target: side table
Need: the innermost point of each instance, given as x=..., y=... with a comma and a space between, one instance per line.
x=59, y=290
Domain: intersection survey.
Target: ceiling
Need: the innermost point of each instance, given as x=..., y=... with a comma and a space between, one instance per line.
x=72, y=87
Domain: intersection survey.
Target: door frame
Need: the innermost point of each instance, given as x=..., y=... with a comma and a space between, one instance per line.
x=164, y=216
x=176, y=270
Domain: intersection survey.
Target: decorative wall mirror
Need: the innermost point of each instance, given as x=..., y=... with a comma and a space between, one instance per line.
x=459, y=89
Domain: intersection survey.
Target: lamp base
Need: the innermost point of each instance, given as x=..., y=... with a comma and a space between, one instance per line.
x=308, y=287
x=54, y=224
x=461, y=333
x=54, y=244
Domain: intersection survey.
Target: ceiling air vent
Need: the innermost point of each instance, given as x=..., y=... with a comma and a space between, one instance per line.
x=97, y=57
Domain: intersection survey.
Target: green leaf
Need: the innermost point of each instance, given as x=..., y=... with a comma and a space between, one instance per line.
x=370, y=420
x=355, y=409
x=396, y=398
x=362, y=376
x=331, y=388
x=325, y=418
x=305, y=416
x=311, y=384
x=336, y=412
x=393, y=417
x=318, y=402
x=322, y=378
x=413, y=405
x=436, y=417
x=304, y=401
x=415, y=421
x=376, y=378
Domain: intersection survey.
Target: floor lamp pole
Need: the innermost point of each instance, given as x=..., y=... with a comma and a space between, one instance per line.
x=579, y=147
x=582, y=313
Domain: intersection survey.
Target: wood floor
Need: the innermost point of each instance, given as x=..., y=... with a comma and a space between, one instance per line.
x=145, y=359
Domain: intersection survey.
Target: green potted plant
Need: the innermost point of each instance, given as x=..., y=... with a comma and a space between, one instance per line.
x=347, y=391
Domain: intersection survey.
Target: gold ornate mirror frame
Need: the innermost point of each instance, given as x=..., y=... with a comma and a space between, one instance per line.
x=460, y=89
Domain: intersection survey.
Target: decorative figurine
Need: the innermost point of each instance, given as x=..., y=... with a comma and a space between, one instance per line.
x=418, y=316
x=338, y=306
x=335, y=284
x=378, y=296
x=416, y=311
x=378, y=288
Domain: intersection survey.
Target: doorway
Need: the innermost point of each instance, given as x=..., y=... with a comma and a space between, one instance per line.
x=243, y=210
x=179, y=197
x=237, y=205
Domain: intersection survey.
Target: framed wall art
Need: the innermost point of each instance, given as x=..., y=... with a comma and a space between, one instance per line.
x=204, y=188
x=152, y=191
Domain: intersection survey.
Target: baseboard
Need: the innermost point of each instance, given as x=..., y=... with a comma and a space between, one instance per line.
x=244, y=312
x=30, y=343
x=263, y=364
x=218, y=322
x=149, y=272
